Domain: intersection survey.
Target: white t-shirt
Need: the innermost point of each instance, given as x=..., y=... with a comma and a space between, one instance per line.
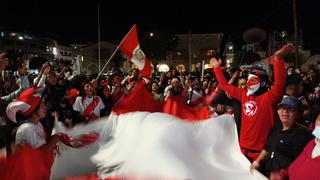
x=30, y=133
x=80, y=105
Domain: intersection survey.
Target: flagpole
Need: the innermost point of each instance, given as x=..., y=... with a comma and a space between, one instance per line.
x=114, y=52
x=99, y=48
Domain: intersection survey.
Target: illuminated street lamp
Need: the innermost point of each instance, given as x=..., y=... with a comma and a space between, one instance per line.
x=151, y=34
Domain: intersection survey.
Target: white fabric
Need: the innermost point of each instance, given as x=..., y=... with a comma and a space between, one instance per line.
x=80, y=105
x=76, y=162
x=157, y=144
x=138, y=57
x=30, y=133
x=316, y=149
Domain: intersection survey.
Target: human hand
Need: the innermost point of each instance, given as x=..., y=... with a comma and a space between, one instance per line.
x=215, y=63
x=46, y=68
x=255, y=165
x=284, y=51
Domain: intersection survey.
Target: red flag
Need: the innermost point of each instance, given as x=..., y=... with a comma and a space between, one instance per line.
x=131, y=48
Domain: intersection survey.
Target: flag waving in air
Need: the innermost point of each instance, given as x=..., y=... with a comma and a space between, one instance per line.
x=131, y=48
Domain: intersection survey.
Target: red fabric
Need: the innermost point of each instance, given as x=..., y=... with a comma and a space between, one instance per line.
x=79, y=141
x=177, y=106
x=139, y=100
x=142, y=100
x=257, y=112
x=304, y=167
x=88, y=112
x=27, y=164
x=129, y=44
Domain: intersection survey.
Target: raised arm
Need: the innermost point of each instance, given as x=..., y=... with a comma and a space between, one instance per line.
x=233, y=91
x=279, y=71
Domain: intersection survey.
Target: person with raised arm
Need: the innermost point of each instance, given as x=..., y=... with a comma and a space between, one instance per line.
x=257, y=102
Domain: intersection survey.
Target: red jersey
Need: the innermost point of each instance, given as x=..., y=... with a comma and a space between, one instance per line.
x=257, y=111
x=305, y=167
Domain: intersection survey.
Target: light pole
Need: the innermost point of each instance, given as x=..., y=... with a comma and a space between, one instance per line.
x=295, y=23
x=99, y=52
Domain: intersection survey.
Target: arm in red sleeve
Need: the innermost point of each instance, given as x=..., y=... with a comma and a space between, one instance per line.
x=279, y=80
x=223, y=84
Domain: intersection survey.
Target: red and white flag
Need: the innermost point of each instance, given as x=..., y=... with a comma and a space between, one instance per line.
x=131, y=48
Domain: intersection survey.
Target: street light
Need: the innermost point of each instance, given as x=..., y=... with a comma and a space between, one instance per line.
x=151, y=34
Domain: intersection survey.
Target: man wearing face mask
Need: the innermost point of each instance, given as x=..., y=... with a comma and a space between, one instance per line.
x=257, y=102
x=306, y=166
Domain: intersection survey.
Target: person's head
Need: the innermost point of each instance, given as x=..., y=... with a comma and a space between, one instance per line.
x=169, y=74
x=175, y=83
x=106, y=90
x=242, y=82
x=196, y=85
x=290, y=71
x=135, y=73
x=154, y=87
x=22, y=67
x=132, y=84
x=88, y=90
x=292, y=86
x=116, y=79
x=316, y=131
x=3, y=61
x=289, y=110
x=258, y=82
x=205, y=84
x=40, y=112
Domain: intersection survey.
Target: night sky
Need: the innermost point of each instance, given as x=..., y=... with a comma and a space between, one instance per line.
x=75, y=21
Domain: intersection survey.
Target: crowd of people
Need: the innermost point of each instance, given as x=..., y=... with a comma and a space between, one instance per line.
x=275, y=113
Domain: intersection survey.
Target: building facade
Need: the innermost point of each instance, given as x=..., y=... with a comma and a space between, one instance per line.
x=194, y=49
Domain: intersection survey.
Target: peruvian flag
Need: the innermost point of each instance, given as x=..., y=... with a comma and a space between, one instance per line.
x=131, y=48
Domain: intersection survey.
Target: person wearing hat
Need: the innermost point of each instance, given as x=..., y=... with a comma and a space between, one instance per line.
x=306, y=166
x=257, y=102
x=286, y=141
x=28, y=110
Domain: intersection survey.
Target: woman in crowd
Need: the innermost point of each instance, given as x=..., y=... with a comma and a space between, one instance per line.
x=286, y=141
x=89, y=105
x=306, y=166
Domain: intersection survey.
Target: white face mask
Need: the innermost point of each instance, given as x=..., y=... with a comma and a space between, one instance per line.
x=316, y=132
x=252, y=89
x=253, y=84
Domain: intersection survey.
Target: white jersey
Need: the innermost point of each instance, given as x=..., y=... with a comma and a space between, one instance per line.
x=32, y=134
x=81, y=106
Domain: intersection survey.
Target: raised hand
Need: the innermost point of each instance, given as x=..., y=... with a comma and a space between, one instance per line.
x=284, y=51
x=215, y=63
